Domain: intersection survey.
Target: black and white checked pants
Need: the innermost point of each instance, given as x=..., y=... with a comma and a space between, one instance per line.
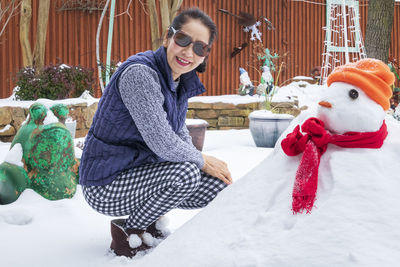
x=147, y=192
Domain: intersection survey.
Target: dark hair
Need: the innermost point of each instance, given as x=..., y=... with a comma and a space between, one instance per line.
x=195, y=13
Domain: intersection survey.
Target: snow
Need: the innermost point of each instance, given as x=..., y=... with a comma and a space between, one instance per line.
x=14, y=155
x=88, y=97
x=70, y=120
x=305, y=78
x=69, y=233
x=6, y=128
x=64, y=66
x=71, y=126
x=50, y=118
x=135, y=241
x=84, y=98
x=230, y=99
x=162, y=224
x=196, y=122
x=26, y=120
x=151, y=241
x=307, y=96
x=266, y=114
x=354, y=221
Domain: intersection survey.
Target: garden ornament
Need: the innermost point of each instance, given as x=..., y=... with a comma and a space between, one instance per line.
x=41, y=157
x=237, y=50
x=250, y=23
x=246, y=87
x=268, y=59
x=267, y=82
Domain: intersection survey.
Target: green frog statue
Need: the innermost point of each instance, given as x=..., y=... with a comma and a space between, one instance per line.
x=41, y=157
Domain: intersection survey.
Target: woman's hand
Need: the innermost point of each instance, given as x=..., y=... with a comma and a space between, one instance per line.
x=216, y=168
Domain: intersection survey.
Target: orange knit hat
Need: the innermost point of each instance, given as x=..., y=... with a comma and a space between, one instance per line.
x=371, y=75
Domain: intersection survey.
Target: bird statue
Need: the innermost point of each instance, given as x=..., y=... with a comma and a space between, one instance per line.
x=244, y=19
x=41, y=157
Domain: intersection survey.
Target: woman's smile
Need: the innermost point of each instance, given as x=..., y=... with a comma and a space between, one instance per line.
x=182, y=61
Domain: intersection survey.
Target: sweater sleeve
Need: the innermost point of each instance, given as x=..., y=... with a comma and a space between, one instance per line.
x=141, y=93
x=184, y=135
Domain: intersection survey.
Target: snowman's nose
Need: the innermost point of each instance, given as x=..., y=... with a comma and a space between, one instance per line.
x=325, y=104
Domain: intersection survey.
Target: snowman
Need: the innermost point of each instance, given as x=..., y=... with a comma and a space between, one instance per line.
x=351, y=114
x=328, y=194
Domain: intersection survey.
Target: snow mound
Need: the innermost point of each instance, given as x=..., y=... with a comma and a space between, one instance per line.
x=354, y=220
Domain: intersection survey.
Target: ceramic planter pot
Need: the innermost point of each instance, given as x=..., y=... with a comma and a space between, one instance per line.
x=197, y=130
x=266, y=127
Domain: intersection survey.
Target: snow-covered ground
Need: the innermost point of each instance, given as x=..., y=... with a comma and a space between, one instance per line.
x=39, y=232
x=354, y=221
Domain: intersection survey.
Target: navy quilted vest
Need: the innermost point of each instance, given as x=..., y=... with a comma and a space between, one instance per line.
x=113, y=143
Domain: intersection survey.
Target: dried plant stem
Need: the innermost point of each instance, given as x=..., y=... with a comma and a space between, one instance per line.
x=98, y=45
x=279, y=72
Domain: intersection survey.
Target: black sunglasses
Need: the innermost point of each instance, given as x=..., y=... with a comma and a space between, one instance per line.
x=182, y=39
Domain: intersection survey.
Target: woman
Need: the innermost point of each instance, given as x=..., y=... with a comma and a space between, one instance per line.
x=138, y=158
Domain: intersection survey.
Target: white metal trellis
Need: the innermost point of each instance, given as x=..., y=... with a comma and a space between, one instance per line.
x=343, y=39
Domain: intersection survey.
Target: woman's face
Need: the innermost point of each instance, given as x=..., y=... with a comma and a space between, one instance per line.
x=182, y=59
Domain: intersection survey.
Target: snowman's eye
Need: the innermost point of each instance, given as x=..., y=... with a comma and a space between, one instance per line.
x=353, y=93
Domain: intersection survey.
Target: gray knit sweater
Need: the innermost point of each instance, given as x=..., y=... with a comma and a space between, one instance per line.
x=141, y=93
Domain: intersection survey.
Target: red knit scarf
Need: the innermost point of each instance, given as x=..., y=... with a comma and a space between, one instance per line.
x=314, y=143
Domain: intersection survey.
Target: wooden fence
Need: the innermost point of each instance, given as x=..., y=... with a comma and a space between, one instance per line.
x=298, y=38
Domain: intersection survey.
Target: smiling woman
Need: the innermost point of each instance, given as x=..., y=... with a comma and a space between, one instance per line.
x=184, y=33
x=139, y=160
x=181, y=49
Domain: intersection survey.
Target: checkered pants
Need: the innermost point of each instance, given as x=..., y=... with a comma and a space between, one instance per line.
x=147, y=192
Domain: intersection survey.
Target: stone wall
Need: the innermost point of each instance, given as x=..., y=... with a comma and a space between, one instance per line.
x=83, y=114
x=224, y=116
x=219, y=115
x=11, y=119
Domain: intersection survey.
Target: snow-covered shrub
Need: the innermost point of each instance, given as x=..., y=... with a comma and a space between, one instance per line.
x=53, y=82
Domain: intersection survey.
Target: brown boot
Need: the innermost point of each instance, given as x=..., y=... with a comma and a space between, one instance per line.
x=126, y=242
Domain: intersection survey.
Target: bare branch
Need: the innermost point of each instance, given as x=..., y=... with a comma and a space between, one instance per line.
x=126, y=11
x=7, y=12
x=143, y=6
x=85, y=5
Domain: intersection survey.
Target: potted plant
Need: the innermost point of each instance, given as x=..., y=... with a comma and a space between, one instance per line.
x=266, y=126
